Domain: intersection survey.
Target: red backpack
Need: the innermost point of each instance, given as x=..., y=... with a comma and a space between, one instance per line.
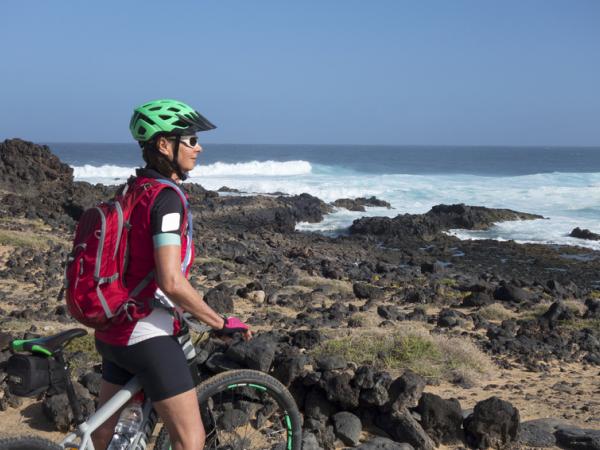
x=95, y=293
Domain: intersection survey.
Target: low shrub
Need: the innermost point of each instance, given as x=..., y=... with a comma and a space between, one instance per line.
x=496, y=312
x=411, y=346
x=343, y=287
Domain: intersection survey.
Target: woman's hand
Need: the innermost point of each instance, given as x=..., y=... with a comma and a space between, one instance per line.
x=233, y=325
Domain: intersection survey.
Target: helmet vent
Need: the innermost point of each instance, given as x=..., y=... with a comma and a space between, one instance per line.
x=181, y=124
x=147, y=119
x=141, y=130
x=164, y=116
x=156, y=108
x=173, y=109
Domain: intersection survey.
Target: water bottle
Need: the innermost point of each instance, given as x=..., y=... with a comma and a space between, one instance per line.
x=128, y=425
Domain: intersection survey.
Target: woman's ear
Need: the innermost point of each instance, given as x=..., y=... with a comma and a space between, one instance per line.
x=163, y=146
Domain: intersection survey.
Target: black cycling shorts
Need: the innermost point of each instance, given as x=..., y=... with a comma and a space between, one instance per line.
x=159, y=362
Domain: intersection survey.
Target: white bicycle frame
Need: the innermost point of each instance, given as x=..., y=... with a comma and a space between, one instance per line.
x=84, y=431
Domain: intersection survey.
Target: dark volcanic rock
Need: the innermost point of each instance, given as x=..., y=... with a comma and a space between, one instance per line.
x=494, y=423
x=39, y=186
x=381, y=443
x=450, y=318
x=340, y=390
x=439, y=218
x=359, y=204
x=257, y=354
x=474, y=217
x=584, y=234
x=306, y=208
x=539, y=433
x=317, y=406
x=477, y=299
x=259, y=213
x=374, y=386
x=220, y=299
x=402, y=426
x=435, y=267
x=441, y=419
x=367, y=291
x=5, y=340
x=307, y=339
x=347, y=427
x=309, y=441
x=578, y=439
x=331, y=362
x=227, y=189
x=58, y=409
x=25, y=165
x=557, y=312
x=218, y=362
x=510, y=293
x=593, y=309
x=287, y=368
x=406, y=390
x=232, y=419
x=91, y=381
x=390, y=312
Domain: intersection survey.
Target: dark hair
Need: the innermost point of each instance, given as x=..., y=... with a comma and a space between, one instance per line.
x=155, y=159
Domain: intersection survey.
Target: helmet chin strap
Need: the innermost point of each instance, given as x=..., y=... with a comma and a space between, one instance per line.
x=175, y=164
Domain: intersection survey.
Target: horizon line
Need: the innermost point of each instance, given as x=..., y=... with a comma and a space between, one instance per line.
x=592, y=146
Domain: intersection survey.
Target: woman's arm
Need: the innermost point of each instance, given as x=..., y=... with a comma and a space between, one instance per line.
x=172, y=282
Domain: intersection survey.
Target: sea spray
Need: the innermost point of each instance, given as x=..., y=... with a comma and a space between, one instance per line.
x=567, y=200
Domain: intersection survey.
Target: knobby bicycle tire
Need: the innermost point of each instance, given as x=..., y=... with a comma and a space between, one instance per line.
x=28, y=443
x=228, y=382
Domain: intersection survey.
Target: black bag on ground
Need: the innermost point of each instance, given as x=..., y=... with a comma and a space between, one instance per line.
x=29, y=375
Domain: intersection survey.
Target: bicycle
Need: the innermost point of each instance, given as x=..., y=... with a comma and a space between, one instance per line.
x=240, y=409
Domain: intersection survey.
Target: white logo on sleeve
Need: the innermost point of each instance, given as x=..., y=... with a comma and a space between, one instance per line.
x=170, y=222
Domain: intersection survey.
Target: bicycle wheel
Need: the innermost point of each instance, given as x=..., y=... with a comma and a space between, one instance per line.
x=28, y=443
x=246, y=409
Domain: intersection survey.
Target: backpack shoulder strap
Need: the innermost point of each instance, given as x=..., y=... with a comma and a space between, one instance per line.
x=159, y=184
x=188, y=214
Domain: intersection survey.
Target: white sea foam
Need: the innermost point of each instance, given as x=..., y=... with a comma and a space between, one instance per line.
x=106, y=174
x=253, y=168
x=568, y=200
x=111, y=174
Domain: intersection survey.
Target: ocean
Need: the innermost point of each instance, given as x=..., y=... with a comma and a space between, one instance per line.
x=561, y=184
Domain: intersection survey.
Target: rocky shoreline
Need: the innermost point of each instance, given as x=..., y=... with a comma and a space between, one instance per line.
x=404, y=279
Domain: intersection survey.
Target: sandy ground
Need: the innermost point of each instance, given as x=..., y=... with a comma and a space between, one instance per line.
x=565, y=391
x=570, y=392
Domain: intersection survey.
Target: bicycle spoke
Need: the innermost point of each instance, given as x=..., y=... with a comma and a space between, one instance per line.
x=243, y=417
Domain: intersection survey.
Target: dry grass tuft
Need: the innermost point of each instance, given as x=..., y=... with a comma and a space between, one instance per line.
x=28, y=239
x=412, y=346
x=496, y=312
x=343, y=287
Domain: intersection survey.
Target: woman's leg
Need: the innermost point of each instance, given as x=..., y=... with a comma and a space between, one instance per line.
x=181, y=416
x=102, y=436
x=164, y=373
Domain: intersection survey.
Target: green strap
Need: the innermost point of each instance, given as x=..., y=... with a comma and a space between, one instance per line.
x=24, y=345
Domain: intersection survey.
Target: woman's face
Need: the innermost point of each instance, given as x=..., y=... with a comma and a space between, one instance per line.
x=188, y=152
x=189, y=148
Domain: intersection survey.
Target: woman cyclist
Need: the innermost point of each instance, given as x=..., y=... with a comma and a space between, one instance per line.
x=160, y=250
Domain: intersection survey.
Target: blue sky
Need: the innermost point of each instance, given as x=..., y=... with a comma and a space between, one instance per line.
x=523, y=72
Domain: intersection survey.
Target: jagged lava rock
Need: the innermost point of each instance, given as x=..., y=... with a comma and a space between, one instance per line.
x=584, y=234
x=347, y=427
x=494, y=423
x=441, y=419
x=439, y=218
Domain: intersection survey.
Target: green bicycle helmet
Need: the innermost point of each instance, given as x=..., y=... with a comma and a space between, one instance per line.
x=166, y=116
